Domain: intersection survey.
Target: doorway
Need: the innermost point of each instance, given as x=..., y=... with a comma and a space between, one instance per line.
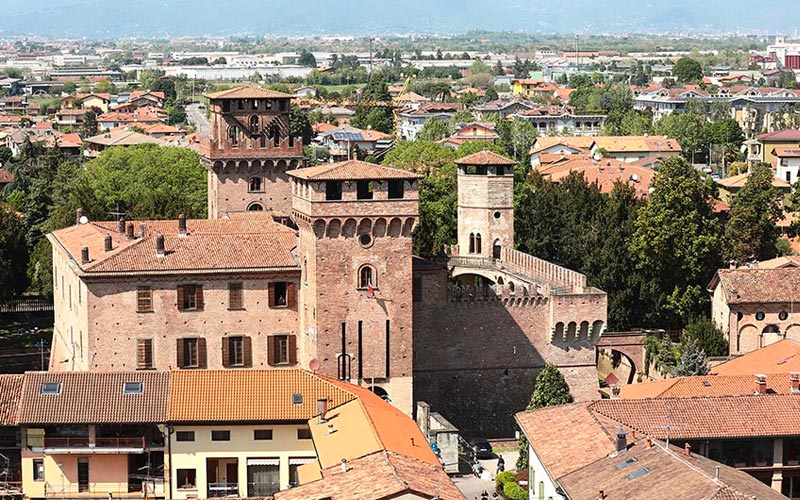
x=83, y=475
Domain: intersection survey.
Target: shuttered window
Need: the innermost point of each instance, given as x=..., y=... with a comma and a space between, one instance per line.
x=191, y=352
x=144, y=299
x=235, y=296
x=190, y=297
x=237, y=351
x=282, y=350
x=144, y=354
x=282, y=294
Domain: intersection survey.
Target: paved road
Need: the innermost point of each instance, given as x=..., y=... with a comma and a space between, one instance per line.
x=472, y=486
x=198, y=117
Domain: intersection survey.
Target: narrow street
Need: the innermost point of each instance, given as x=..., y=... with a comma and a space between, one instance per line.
x=198, y=117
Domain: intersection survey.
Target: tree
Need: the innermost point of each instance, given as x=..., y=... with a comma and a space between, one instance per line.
x=434, y=130
x=706, y=335
x=687, y=70
x=300, y=124
x=89, y=127
x=677, y=242
x=374, y=117
x=693, y=360
x=176, y=113
x=307, y=59
x=376, y=90
x=550, y=389
x=751, y=231
x=688, y=129
x=491, y=94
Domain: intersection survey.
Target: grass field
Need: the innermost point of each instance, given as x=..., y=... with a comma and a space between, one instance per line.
x=20, y=332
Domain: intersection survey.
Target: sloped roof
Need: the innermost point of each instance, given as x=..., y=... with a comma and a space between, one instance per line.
x=377, y=476
x=786, y=152
x=484, y=157
x=350, y=170
x=249, y=395
x=123, y=138
x=756, y=285
x=645, y=143
x=221, y=244
x=781, y=357
x=706, y=386
x=738, y=181
x=94, y=397
x=786, y=135
x=248, y=92
x=10, y=394
x=604, y=173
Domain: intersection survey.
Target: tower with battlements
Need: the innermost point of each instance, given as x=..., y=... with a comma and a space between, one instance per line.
x=249, y=152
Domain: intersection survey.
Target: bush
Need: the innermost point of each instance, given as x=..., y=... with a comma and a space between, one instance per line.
x=503, y=478
x=513, y=491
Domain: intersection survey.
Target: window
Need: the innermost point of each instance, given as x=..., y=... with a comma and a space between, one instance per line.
x=783, y=315
x=282, y=104
x=255, y=207
x=233, y=135
x=254, y=124
x=187, y=479
x=281, y=294
x=344, y=362
x=478, y=243
x=190, y=297
x=144, y=354
x=192, y=352
x=226, y=106
x=365, y=240
x=255, y=185
x=235, y=355
x=396, y=189
x=297, y=399
x=304, y=433
x=235, y=296
x=262, y=434
x=132, y=387
x=220, y=435
x=281, y=350
x=184, y=436
x=760, y=315
x=364, y=190
x=366, y=277
x=240, y=104
x=38, y=469
x=51, y=388
x=144, y=299
x=788, y=176
x=333, y=190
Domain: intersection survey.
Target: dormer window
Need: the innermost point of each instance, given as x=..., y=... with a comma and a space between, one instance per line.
x=132, y=387
x=51, y=388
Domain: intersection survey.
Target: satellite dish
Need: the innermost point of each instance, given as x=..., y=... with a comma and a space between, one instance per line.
x=314, y=365
x=83, y=219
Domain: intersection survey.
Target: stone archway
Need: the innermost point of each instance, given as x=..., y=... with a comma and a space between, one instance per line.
x=770, y=334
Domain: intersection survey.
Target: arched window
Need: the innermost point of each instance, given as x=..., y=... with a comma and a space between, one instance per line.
x=471, y=243
x=255, y=184
x=478, y=243
x=233, y=135
x=367, y=277
x=255, y=207
x=380, y=391
x=496, y=249
x=254, y=124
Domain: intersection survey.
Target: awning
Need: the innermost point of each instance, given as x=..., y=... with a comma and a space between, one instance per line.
x=263, y=461
x=301, y=460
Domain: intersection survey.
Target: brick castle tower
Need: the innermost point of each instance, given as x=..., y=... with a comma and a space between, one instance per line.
x=355, y=222
x=485, y=204
x=249, y=152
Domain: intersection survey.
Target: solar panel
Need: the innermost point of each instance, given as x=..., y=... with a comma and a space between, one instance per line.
x=626, y=462
x=638, y=473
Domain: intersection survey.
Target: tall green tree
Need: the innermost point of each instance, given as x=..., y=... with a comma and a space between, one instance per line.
x=693, y=360
x=688, y=129
x=706, y=335
x=300, y=124
x=687, y=70
x=550, y=390
x=434, y=130
x=751, y=231
x=677, y=244
x=13, y=254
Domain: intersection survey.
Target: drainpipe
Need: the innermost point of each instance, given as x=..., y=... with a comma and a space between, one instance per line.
x=170, y=431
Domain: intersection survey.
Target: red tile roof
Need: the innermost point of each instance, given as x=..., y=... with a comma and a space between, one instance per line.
x=211, y=245
x=759, y=286
x=706, y=386
x=786, y=135
x=738, y=181
x=350, y=170
x=10, y=394
x=781, y=357
x=484, y=157
x=786, y=152
x=249, y=395
x=247, y=92
x=605, y=173
x=381, y=475
x=92, y=397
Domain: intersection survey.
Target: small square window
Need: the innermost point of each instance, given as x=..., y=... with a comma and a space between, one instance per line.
x=51, y=388
x=297, y=399
x=187, y=479
x=132, y=387
x=220, y=435
x=144, y=299
x=184, y=436
x=262, y=434
x=304, y=433
x=38, y=469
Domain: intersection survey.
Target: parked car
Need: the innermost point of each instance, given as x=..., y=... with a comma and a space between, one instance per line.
x=481, y=448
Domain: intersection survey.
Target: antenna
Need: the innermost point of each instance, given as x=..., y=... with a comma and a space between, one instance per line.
x=669, y=425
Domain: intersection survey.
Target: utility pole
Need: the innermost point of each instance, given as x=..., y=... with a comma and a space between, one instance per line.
x=577, y=54
x=370, y=55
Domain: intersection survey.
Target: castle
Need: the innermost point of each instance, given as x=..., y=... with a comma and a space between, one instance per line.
x=313, y=267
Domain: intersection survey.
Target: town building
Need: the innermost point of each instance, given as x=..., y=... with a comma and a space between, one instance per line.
x=412, y=120
x=763, y=147
x=787, y=163
x=623, y=148
x=562, y=120
x=729, y=186
x=10, y=439
x=250, y=152
x=350, y=143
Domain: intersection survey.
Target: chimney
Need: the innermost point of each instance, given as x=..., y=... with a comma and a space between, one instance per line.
x=622, y=440
x=84, y=255
x=687, y=449
x=716, y=473
x=181, y=225
x=109, y=244
x=615, y=392
x=761, y=383
x=130, y=231
x=160, y=249
x=121, y=225
x=344, y=465
x=794, y=380
x=649, y=443
x=601, y=495
x=78, y=215
x=322, y=409
x=142, y=229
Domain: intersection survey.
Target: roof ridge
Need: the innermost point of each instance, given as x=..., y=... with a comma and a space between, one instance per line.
x=97, y=262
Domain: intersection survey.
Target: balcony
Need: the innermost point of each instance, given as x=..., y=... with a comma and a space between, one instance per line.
x=222, y=490
x=262, y=489
x=100, y=445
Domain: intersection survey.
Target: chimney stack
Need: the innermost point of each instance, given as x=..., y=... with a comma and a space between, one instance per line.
x=622, y=440
x=602, y=495
x=142, y=229
x=615, y=392
x=121, y=225
x=322, y=409
x=84, y=255
x=761, y=383
x=344, y=465
x=181, y=225
x=716, y=473
x=78, y=215
x=649, y=443
x=794, y=379
x=109, y=244
x=160, y=248
x=130, y=231
x=687, y=449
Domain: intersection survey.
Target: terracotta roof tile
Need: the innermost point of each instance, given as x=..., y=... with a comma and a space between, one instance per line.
x=350, y=170
x=10, y=394
x=738, y=181
x=249, y=395
x=781, y=357
x=706, y=386
x=93, y=397
x=247, y=92
x=484, y=157
x=787, y=135
x=756, y=285
x=123, y=137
